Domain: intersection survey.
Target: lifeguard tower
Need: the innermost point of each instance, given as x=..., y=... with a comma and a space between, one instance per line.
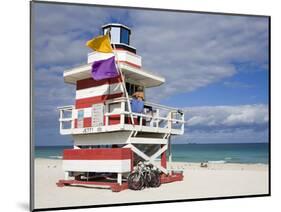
x=108, y=137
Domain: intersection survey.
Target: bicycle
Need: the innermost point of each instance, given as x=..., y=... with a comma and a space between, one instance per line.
x=144, y=175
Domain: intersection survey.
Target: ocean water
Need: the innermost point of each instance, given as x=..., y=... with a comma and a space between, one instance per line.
x=221, y=153
x=216, y=153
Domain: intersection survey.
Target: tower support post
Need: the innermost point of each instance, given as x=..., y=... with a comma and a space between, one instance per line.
x=163, y=158
x=119, y=178
x=66, y=175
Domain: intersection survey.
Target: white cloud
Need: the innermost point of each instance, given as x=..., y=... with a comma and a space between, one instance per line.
x=225, y=124
x=195, y=50
x=227, y=116
x=49, y=93
x=190, y=50
x=224, y=136
x=61, y=31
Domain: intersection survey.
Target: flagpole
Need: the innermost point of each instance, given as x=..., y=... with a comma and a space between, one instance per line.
x=124, y=86
x=123, y=81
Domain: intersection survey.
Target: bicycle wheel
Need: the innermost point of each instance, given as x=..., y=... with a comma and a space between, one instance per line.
x=147, y=179
x=155, y=179
x=135, y=181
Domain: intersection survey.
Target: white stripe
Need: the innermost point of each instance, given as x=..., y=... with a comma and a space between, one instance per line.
x=97, y=165
x=133, y=59
x=87, y=112
x=115, y=108
x=95, y=56
x=122, y=56
x=100, y=90
x=115, y=88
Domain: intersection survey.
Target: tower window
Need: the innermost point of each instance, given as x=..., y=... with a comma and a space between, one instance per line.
x=124, y=36
x=132, y=88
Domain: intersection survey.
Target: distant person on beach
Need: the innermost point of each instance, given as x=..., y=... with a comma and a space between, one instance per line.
x=203, y=165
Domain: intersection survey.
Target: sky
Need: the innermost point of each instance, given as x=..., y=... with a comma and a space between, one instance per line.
x=215, y=66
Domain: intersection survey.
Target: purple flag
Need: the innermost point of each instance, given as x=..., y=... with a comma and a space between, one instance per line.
x=104, y=69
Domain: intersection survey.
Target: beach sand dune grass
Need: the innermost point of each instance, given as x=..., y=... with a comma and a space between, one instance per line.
x=217, y=180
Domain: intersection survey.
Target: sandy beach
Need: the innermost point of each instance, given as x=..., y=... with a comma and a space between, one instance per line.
x=216, y=180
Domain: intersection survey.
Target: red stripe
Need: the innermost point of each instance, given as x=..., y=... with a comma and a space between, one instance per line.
x=131, y=64
x=97, y=154
x=115, y=119
x=87, y=122
x=124, y=50
x=88, y=102
x=132, y=161
x=90, y=82
x=128, y=120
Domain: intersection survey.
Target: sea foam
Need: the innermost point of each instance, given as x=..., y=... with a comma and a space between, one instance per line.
x=217, y=161
x=56, y=157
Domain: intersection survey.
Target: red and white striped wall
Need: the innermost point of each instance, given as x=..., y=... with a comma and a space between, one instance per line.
x=118, y=160
x=90, y=92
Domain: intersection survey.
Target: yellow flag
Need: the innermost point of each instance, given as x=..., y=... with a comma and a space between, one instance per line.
x=100, y=43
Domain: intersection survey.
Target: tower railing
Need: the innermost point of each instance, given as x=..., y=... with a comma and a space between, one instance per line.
x=155, y=117
x=66, y=119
